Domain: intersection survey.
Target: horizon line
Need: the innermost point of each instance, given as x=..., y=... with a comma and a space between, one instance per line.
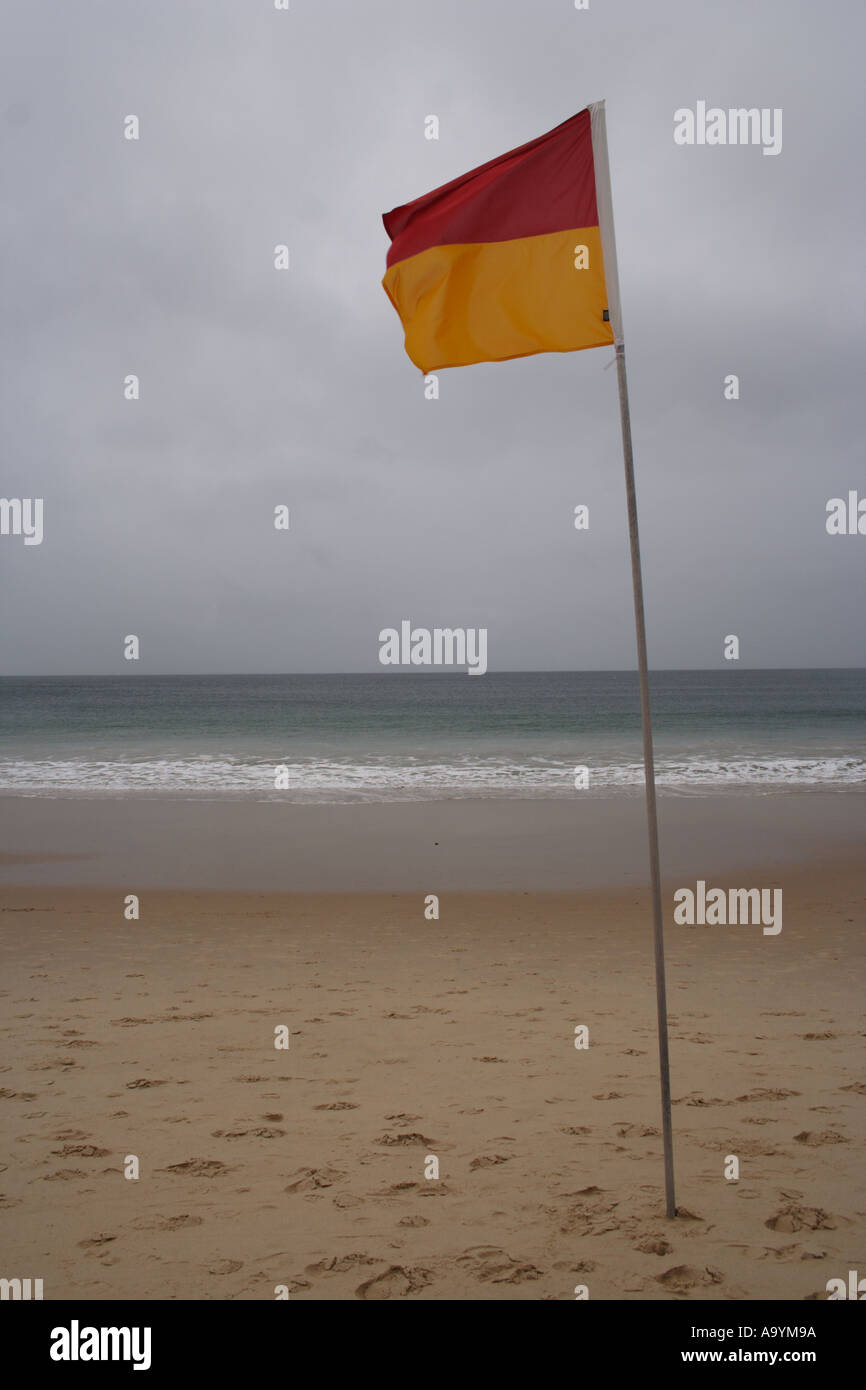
x=417, y=671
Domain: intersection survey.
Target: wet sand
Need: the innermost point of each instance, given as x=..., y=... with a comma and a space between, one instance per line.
x=587, y=843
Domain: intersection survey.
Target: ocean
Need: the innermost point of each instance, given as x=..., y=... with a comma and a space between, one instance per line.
x=414, y=737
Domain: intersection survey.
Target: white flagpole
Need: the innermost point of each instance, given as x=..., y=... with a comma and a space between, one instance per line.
x=608, y=242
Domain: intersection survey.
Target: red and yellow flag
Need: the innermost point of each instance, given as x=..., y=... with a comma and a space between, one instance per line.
x=506, y=260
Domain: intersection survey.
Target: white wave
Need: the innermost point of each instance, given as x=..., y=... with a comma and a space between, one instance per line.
x=409, y=779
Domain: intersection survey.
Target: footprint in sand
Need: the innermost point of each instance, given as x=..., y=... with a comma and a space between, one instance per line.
x=818, y=1138
x=796, y=1218
x=858, y=1086
x=684, y=1278
x=762, y=1093
x=82, y=1151
x=411, y=1139
x=96, y=1242
x=141, y=1083
x=262, y=1132
x=653, y=1245
x=746, y=1148
x=769, y=1252
x=395, y=1282
x=168, y=1223
x=226, y=1267
x=491, y=1265
x=593, y=1215
x=339, y=1264
x=420, y=1189
x=198, y=1168
x=309, y=1179
x=337, y=1105
x=696, y=1099
x=490, y=1160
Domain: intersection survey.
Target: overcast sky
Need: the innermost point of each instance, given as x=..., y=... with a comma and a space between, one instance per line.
x=261, y=387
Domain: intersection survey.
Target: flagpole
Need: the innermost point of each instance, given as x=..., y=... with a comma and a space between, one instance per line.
x=605, y=219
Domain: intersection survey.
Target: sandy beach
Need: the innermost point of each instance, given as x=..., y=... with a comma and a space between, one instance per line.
x=411, y=1039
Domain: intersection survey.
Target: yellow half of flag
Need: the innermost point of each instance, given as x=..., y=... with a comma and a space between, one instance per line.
x=506, y=260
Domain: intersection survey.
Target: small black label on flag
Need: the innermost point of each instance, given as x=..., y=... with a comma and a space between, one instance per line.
x=606, y=315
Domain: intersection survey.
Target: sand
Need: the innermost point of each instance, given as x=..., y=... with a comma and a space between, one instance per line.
x=412, y=1039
